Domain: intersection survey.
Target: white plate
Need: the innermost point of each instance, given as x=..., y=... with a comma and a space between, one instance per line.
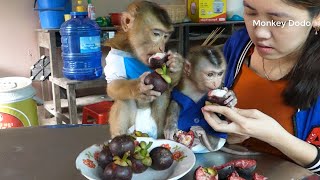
x=177, y=170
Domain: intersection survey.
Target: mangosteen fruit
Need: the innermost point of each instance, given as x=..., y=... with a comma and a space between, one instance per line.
x=161, y=158
x=206, y=173
x=119, y=145
x=118, y=169
x=137, y=165
x=244, y=167
x=225, y=172
x=159, y=84
x=157, y=60
x=116, y=172
x=105, y=157
x=216, y=96
x=247, y=172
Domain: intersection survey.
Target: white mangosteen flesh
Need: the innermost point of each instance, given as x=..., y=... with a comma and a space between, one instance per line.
x=217, y=92
x=157, y=56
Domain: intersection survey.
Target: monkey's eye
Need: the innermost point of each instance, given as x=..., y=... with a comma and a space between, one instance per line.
x=210, y=74
x=220, y=73
x=156, y=33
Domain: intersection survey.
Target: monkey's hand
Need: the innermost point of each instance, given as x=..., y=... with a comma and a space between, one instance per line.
x=169, y=131
x=236, y=138
x=175, y=64
x=171, y=126
x=231, y=99
x=145, y=93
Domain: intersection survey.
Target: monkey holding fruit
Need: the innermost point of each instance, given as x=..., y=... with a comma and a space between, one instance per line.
x=204, y=71
x=145, y=29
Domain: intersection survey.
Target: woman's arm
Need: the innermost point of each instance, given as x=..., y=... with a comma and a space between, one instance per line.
x=256, y=124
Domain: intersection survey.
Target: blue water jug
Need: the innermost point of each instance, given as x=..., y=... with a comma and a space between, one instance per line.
x=80, y=45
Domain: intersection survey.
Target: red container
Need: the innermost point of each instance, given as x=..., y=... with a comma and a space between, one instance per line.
x=116, y=19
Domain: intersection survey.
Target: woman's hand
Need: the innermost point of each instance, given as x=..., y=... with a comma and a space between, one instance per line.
x=254, y=123
x=248, y=123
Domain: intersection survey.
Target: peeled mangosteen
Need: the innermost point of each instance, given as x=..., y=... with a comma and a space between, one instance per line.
x=117, y=172
x=203, y=173
x=216, y=96
x=105, y=157
x=119, y=145
x=185, y=138
x=161, y=158
x=137, y=165
x=157, y=60
x=159, y=84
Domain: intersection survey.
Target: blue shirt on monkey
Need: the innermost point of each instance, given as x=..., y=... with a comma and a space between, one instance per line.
x=191, y=114
x=123, y=65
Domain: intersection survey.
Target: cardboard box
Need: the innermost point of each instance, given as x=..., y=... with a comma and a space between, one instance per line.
x=206, y=11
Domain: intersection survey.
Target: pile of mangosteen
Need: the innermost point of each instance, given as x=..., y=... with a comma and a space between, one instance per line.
x=242, y=169
x=123, y=156
x=159, y=78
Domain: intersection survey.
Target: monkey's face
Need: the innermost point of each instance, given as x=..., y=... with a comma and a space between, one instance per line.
x=148, y=36
x=206, y=76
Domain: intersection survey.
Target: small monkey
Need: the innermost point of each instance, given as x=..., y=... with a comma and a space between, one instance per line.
x=145, y=29
x=204, y=70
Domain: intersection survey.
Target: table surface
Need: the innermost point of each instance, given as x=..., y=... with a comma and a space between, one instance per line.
x=44, y=153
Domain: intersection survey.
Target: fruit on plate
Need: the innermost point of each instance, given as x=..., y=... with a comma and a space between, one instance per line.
x=159, y=79
x=185, y=138
x=161, y=158
x=206, y=173
x=119, y=145
x=105, y=157
x=136, y=134
x=216, y=96
x=157, y=60
x=141, y=159
x=119, y=169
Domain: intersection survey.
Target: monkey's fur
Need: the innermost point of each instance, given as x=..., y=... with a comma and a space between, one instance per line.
x=196, y=87
x=136, y=39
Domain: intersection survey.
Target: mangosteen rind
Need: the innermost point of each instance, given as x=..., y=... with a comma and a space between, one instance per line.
x=161, y=158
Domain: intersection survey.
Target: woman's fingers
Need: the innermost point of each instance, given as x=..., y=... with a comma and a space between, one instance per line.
x=229, y=113
x=215, y=122
x=249, y=113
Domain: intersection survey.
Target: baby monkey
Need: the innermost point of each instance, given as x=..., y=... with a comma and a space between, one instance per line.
x=204, y=70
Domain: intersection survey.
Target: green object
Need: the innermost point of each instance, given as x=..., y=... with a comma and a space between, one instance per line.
x=103, y=21
x=89, y=1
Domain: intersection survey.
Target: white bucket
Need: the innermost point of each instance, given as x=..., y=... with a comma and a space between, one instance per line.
x=234, y=10
x=17, y=106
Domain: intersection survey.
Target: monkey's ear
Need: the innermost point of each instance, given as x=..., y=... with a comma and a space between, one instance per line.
x=187, y=67
x=126, y=21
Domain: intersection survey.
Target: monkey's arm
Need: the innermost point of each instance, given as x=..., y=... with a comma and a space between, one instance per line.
x=172, y=116
x=123, y=89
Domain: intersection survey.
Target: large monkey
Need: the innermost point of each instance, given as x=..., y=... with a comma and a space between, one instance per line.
x=145, y=29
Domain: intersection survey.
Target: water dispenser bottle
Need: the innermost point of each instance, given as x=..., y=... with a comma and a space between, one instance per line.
x=80, y=44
